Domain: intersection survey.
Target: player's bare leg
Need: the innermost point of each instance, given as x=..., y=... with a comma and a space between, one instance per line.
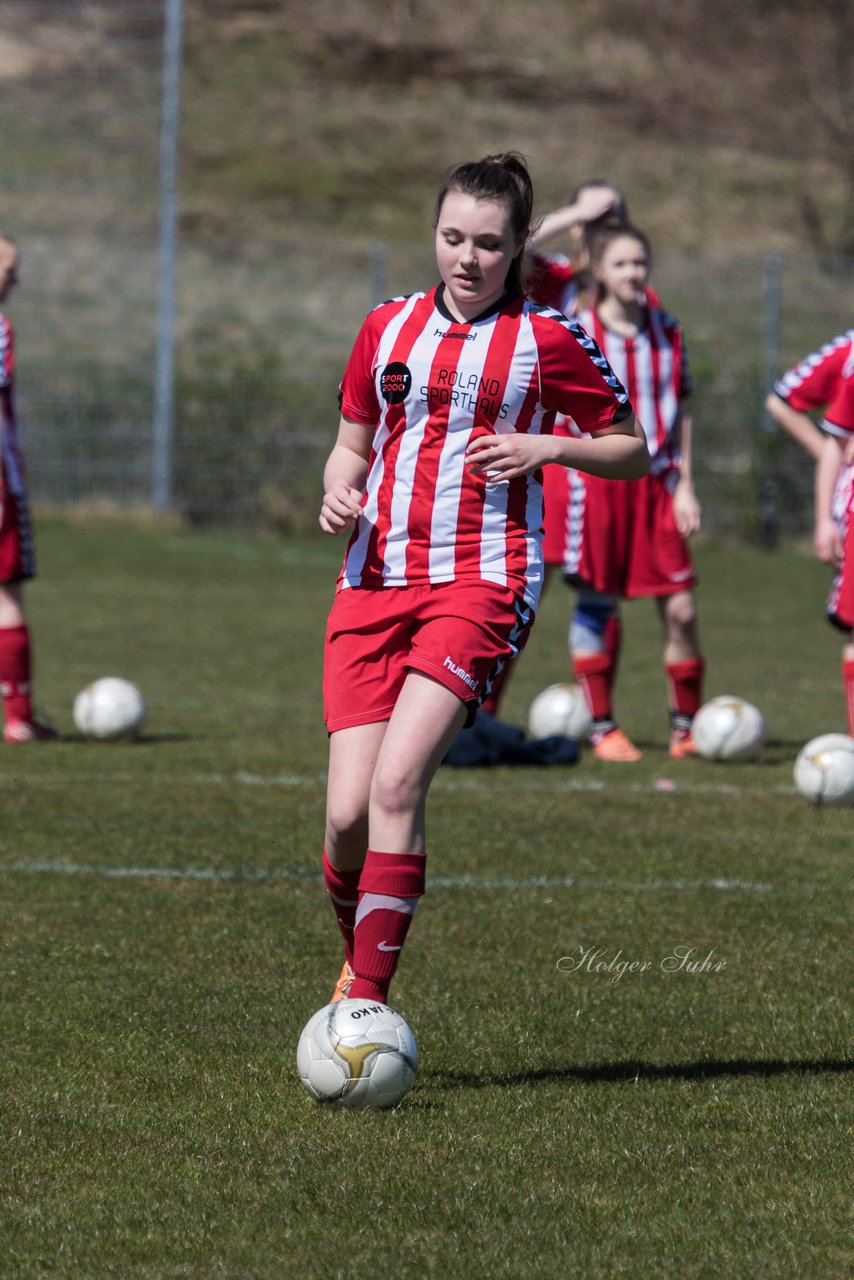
x=425, y=721
x=15, y=670
x=352, y=758
x=683, y=666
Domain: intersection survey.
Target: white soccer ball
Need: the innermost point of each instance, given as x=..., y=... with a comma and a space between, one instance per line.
x=358, y=1054
x=728, y=728
x=109, y=708
x=561, y=709
x=824, y=770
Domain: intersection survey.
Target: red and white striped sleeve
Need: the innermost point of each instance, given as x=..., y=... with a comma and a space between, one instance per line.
x=812, y=383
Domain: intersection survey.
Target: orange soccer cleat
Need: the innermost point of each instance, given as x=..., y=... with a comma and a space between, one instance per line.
x=682, y=748
x=18, y=731
x=614, y=745
x=342, y=986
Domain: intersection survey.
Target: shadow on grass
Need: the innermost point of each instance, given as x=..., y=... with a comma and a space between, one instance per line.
x=634, y=1072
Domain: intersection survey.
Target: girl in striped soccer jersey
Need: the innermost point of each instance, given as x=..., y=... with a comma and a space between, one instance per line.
x=629, y=541
x=17, y=559
x=824, y=381
x=447, y=407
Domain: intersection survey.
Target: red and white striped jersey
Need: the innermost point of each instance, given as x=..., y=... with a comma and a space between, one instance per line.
x=425, y=385
x=818, y=380
x=653, y=367
x=10, y=453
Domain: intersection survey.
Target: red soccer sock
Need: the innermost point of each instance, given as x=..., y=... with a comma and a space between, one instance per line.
x=685, y=692
x=595, y=675
x=496, y=692
x=15, y=672
x=389, y=889
x=343, y=889
x=848, y=682
x=614, y=642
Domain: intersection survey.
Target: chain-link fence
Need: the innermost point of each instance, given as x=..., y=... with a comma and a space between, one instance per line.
x=262, y=332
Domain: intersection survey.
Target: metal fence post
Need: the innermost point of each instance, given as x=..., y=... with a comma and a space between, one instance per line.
x=164, y=393
x=768, y=496
x=379, y=273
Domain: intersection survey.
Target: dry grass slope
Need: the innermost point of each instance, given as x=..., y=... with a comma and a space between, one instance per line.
x=726, y=128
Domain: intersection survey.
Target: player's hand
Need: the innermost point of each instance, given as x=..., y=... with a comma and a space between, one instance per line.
x=827, y=543
x=594, y=203
x=506, y=457
x=340, y=509
x=686, y=508
x=848, y=453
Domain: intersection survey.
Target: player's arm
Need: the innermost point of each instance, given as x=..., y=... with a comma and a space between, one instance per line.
x=686, y=507
x=344, y=477
x=593, y=203
x=799, y=426
x=828, y=545
x=617, y=452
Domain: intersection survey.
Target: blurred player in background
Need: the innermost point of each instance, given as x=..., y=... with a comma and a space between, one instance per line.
x=17, y=560
x=555, y=279
x=565, y=282
x=825, y=381
x=448, y=403
x=630, y=541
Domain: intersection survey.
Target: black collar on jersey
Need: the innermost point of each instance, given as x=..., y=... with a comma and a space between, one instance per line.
x=509, y=295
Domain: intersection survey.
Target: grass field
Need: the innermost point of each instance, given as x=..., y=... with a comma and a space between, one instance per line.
x=164, y=936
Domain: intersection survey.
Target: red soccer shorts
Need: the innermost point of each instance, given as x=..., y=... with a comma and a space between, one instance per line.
x=459, y=633
x=616, y=536
x=17, y=556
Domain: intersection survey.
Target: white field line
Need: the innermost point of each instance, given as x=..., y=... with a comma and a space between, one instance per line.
x=304, y=875
x=545, y=781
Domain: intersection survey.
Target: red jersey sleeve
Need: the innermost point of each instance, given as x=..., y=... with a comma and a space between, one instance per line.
x=575, y=378
x=550, y=281
x=812, y=383
x=839, y=418
x=357, y=393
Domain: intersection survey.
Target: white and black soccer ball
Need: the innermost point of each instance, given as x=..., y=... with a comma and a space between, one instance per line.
x=358, y=1054
x=824, y=770
x=560, y=709
x=728, y=728
x=109, y=708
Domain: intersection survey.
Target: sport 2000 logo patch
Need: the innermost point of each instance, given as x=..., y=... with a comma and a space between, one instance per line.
x=395, y=382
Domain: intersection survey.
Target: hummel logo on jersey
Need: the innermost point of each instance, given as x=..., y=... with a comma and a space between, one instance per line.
x=460, y=337
x=395, y=382
x=384, y=946
x=459, y=671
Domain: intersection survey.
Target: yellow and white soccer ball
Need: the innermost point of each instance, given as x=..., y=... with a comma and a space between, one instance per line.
x=824, y=770
x=728, y=728
x=359, y=1054
x=560, y=709
x=109, y=708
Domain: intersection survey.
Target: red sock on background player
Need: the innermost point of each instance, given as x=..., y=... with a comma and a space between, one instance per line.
x=848, y=681
x=594, y=673
x=685, y=693
x=15, y=673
